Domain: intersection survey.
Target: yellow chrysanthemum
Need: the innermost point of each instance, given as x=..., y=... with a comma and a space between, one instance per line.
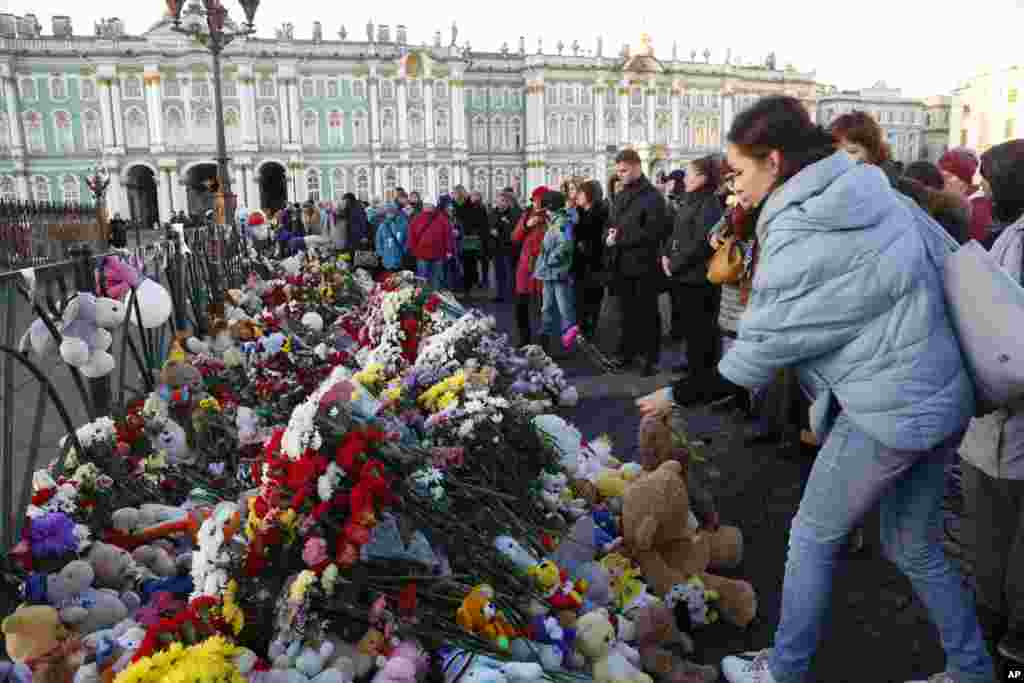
x=210, y=404
x=392, y=394
x=230, y=610
x=302, y=582
x=446, y=400
x=288, y=518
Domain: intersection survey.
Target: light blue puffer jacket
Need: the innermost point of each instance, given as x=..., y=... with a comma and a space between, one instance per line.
x=847, y=292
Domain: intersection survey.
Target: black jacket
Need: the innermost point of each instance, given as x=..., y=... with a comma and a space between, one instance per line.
x=499, y=238
x=641, y=217
x=473, y=219
x=590, y=235
x=687, y=247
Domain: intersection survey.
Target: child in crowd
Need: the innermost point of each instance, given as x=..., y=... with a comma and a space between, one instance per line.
x=554, y=263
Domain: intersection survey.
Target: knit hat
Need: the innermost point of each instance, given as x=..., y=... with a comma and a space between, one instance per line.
x=679, y=175
x=539, y=192
x=961, y=163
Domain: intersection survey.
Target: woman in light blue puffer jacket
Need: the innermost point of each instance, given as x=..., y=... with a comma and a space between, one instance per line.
x=847, y=291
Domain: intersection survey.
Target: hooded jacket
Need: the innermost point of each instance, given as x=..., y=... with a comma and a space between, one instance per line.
x=392, y=235
x=554, y=263
x=848, y=291
x=430, y=236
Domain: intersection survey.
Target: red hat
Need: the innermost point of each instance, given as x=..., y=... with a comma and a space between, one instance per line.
x=539, y=192
x=961, y=163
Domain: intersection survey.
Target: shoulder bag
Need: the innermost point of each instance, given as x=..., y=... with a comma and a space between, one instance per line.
x=726, y=265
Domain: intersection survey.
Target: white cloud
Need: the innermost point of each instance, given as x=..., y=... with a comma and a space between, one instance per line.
x=922, y=47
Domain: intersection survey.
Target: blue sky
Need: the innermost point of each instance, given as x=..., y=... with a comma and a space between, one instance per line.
x=922, y=47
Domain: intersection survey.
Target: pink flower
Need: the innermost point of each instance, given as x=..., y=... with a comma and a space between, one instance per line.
x=123, y=449
x=315, y=552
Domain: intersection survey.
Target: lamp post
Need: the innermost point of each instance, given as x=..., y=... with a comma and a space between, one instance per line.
x=215, y=40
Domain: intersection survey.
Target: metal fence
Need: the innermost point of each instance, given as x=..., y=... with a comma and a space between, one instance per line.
x=30, y=232
x=43, y=399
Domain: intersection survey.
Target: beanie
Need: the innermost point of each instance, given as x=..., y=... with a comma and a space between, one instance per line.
x=539, y=192
x=961, y=163
x=677, y=175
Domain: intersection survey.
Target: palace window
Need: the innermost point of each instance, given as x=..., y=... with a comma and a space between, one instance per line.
x=310, y=129
x=587, y=96
x=415, y=91
x=587, y=131
x=358, y=89
x=313, y=186
x=443, y=184
x=554, y=138
x=363, y=184
x=609, y=96
x=662, y=97
x=71, y=190
x=498, y=137
x=390, y=178
x=419, y=180
x=232, y=127
x=479, y=133
x=27, y=88
x=34, y=134
x=387, y=89
x=308, y=91
x=270, y=131
x=571, y=134
x=339, y=183
x=172, y=87
x=569, y=94
x=335, y=130
x=332, y=89
x=202, y=126
x=441, y=128
x=229, y=87
x=200, y=87
x=551, y=95
x=136, y=129
x=611, y=130
x=266, y=88
x=360, y=130
x=497, y=97
x=40, y=188
x=174, y=126
x=58, y=88
x=387, y=128
x=64, y=135
x=87, y=89
x=8, y=189
x=5, y=132
x=515, y=133
x=415, y=128
x=440, y=89
x=133, y=88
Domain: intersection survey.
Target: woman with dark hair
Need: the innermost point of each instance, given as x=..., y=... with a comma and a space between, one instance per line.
x=993, y=449
x=922, y=182
x=592, y=219
x=684, y=259
x=357, y=225
x=859, y=135
x=844, y=286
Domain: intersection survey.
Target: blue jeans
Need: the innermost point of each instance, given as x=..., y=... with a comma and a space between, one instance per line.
x=504, y=275
x=431, y=271
x=559, y=306
x=853, y=472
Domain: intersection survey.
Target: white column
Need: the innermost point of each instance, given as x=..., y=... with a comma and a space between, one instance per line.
x=373, y=92
x=624, y=114
x=186, y=105
x=599, y=141
x=378, y=183
x=282, y=97
x=118, y=112
x=154, y=106
x=21, y=177
x=180, y=192
x=728, y=114
x=166, y=199
x=650, y=100
x=293, y=96
x=107, y=112
x=458, y=98
x=14, y=116
x=676, y=107
x=403, y=115
x=247, y=93
x=251, y=182
x=405, y=175
x=428, y=114
x=115, y=193
x=430, y=191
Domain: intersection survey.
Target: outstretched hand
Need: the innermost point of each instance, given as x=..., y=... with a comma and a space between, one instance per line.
x=658, y=404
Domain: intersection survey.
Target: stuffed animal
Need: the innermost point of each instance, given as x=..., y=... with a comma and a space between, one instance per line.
x=548, y=630
x=171, y=438
x=210, y=559
x=583, y=543
x=659, y=443
x=35, y=637
x=408, y=664
x=311, y=664
x=514, y=552
x=596, y=639
x=478, y=614
x=559, y=591
x=155, y=305
x=557, y=497
x=83, y=327
x=71, y=592
x=460, y=666
x=146, y=516
x=656, y=632
x=656, y=534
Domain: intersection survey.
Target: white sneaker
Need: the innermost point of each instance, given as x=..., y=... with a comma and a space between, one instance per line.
x=937, y=678
x=749, y=667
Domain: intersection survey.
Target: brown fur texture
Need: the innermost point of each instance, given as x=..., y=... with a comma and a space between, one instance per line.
x=657, y=535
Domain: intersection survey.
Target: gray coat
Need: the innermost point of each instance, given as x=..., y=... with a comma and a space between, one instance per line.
x=994, y=443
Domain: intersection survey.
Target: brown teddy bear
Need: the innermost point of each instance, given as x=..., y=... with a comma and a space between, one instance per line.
x=656, y=632
x=669, y=550
x=34, y=636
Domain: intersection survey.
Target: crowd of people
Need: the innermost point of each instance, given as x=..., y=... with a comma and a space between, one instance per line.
x=800, y=249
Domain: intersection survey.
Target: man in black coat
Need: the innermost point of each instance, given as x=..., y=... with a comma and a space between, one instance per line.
x=637, y=227
x=499, y=245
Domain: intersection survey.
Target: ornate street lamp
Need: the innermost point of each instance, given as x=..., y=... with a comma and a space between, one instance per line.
x=215, y=39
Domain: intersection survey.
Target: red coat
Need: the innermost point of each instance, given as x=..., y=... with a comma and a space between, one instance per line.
x=531, y=239
x=430, y=236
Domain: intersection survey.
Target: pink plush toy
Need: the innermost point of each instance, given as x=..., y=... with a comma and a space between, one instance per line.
x=408, y=664
x=121, y=277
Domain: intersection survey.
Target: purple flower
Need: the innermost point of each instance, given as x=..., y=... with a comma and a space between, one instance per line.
x=521, y=386
x=53, y=535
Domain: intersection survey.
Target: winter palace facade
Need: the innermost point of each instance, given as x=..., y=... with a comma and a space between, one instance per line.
x=316, y=118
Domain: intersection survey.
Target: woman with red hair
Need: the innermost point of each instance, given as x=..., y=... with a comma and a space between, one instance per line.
x=859, y=135
x=530, y=232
